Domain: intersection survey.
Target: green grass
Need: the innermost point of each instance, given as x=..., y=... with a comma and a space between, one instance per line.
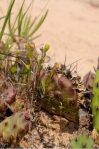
x=6, y=18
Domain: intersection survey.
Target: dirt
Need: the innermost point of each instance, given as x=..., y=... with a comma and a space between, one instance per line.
x=52, y=132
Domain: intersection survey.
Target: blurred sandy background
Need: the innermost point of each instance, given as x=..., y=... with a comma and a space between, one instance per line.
x=72, y=29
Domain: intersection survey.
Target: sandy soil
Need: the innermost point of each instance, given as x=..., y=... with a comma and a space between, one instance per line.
x=72, y=29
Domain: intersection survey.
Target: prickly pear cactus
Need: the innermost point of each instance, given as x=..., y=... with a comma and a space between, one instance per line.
x=14, y=127
x=59, y=96
x=95, y=101
x=82, y=141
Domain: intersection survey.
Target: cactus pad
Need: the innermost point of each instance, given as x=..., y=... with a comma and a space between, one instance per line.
x=95, y=101
x=82, y=141
x=14, y=127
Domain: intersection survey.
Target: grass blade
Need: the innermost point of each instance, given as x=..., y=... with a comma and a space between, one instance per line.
x=17, y=15
x=38, y=25
x=20, y=18
x=28, y=8
x=7, y=18
x=26, y=26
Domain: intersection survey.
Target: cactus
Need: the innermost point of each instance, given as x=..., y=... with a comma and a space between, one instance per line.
x=82, y=141
x=14, y=127
x=59, y=96
x=95, y=101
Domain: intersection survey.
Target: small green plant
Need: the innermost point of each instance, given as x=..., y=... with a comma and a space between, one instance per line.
x=23, y=68
x=21, y=31
x=81, y=142
x=24, y=26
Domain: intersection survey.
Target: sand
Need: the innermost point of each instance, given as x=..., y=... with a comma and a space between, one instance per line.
x=72, y=29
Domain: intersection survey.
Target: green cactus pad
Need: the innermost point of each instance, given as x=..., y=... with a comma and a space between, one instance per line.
x=13, y=127
x=95, y=101
x=81, y=142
